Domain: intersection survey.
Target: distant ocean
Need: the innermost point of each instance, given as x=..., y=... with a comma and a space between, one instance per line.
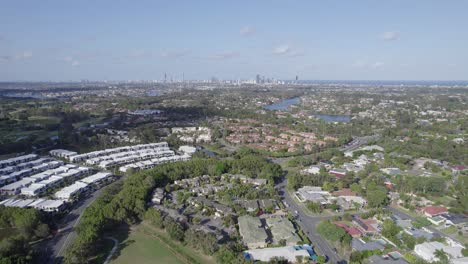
x=377, y=82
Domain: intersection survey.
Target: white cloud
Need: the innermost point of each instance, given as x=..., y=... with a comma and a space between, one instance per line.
x=224, y=55
x=286, y=50
x=174, y=54
x=282, y=50
x=390, y=35
x=359, y=64
x=368, y=65
x=24, y=55
x=18, y=57
x=139, y=53
x=377, y=65
x=70, y=60
x=247, y=31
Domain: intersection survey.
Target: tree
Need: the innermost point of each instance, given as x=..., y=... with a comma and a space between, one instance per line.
x=347, y=217
x=154, y=217
x=420, y=222
x=174, y=229
x=226, y=255
x=408, y=240
x=390, y=230
x=314, y=207
x=42, y=230
x=377, y=198
x=355, y=187
x=441, y=255
x=321, y=259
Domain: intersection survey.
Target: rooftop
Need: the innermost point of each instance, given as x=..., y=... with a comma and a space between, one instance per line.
x=290, y=253
x=251, y=229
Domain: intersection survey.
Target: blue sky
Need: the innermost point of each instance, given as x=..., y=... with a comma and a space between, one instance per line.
x=317, y=40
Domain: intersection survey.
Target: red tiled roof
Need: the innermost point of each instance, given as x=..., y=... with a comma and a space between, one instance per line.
x=434, y=210
x=344, y=192
x=352, y=231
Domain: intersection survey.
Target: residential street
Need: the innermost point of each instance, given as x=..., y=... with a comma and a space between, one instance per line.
x=53, y=249
x=308, y=225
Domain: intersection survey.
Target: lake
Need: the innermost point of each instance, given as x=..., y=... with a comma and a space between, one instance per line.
x=334, y=118
x=284, y=104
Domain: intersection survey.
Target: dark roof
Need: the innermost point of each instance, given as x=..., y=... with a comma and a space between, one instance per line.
x=359, y=245
x=455, y=218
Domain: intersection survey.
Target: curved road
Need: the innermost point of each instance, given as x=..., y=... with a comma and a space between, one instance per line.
x=308, y=224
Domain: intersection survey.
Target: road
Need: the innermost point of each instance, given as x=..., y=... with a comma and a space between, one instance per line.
x=53, y=249
x=308, y=224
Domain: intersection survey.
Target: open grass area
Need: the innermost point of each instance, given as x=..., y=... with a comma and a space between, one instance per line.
x=146, y=244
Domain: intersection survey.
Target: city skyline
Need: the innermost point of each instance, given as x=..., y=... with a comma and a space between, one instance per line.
x=363, y=40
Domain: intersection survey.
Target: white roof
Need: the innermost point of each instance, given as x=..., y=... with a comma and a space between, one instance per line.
x=289, y=253
x=18, y=184
x=36, y=202
x=426, y=250
x=70, y=190
x=51, y=180
x=50, y=204
x=96, y=177
x=24, y=203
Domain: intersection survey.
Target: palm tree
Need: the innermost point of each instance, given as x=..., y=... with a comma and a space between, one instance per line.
x=441, y=255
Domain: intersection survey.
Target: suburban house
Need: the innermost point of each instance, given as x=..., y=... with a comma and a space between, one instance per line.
x=427, y=251
x=338, y=172
x=367, y=226
x=252, y=231
x=358, y=244
x=352, y=231
x=431, y=211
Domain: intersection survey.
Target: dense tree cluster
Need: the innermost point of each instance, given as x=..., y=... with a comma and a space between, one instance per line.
x=126, y=203
x=26, y=225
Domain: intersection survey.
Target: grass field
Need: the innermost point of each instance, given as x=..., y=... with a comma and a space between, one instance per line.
x=146, y=244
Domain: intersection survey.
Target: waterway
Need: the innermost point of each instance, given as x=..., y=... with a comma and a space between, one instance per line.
x=334, y=118
x=284, y=104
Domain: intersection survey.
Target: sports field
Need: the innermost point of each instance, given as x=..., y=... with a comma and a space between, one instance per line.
x=149, y=245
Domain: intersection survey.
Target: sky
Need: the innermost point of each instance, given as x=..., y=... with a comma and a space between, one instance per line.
x=316, y=40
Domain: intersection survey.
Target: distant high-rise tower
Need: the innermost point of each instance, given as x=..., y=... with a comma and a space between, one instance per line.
x=165, y=77
x=257, y=80
x=297, y=78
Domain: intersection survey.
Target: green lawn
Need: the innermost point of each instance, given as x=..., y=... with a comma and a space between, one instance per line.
x=148, y=245
x=141, y=248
